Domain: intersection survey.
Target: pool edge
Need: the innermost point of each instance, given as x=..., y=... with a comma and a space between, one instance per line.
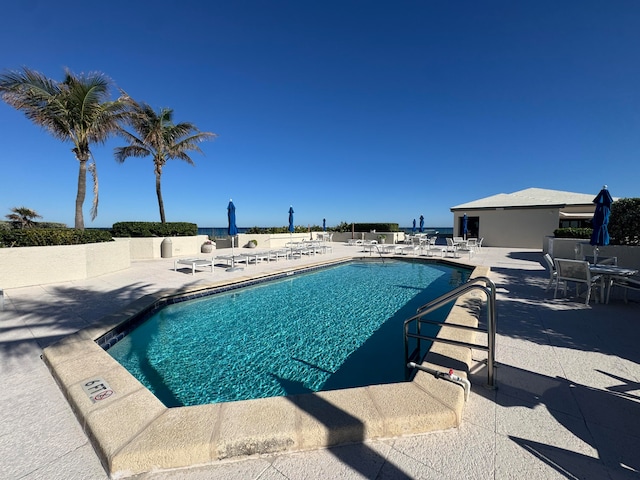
x=133, y=433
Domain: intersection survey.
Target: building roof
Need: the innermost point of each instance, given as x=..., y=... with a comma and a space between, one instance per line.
x=531, y=197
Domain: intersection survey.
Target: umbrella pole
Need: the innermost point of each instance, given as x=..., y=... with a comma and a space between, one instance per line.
x=233, y=257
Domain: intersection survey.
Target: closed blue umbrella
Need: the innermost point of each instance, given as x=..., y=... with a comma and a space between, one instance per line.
x=231, y=215
x=421, y=224
x=291, y=227
x=233, y=230
x=413, y=230
x=600, y=221
x=324, y=224
x=464, y=226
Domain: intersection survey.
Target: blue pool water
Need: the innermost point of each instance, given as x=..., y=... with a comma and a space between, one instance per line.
x=335, y=328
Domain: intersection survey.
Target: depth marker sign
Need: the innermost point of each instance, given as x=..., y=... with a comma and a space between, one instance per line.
x=97, y=389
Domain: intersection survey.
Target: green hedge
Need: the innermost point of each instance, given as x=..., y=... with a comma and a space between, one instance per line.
x=40, y=237
x=154, y=229
x=573, y=233
x=378, y=227
x=624, y=223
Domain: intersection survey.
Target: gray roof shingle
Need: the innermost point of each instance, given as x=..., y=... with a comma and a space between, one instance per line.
x=530, y=197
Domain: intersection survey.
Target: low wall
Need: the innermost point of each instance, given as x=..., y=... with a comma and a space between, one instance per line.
x=149, y=248
x=25, y=266
x=628, y=256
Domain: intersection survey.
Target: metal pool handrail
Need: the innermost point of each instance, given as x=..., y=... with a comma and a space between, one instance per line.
x=489, y=289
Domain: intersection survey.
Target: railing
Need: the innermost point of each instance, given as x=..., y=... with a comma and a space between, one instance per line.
x=489, y=289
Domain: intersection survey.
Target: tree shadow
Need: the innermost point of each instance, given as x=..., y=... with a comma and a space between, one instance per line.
x=342, y=428
x=33, y=322
x=605, y=419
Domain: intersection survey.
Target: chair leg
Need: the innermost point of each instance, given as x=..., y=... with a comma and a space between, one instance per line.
x=586, y=302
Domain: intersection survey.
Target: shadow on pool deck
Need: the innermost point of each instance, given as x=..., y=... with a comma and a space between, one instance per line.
x=341, y=428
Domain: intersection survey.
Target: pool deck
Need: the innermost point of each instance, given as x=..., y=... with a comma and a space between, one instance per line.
x=567, y=403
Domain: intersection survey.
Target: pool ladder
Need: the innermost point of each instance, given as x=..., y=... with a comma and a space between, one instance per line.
x=479, y=283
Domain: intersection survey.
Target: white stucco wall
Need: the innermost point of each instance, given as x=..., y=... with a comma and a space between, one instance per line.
x=24, y=266
x=151, y=247
x=511, y=227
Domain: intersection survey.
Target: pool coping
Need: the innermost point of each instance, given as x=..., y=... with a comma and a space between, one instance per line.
x=133, y=432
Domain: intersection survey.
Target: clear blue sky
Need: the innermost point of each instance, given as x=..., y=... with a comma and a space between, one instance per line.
x=354, y=111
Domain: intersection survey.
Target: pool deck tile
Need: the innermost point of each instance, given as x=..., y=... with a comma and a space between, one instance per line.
x=567, y=403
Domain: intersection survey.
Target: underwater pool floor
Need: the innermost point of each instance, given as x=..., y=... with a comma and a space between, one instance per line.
x=333, y=328
x=133, y=432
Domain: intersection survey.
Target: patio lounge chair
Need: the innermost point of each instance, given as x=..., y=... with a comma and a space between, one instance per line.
x=194, y=263
x=576, y=271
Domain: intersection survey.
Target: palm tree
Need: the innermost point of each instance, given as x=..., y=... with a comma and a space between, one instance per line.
x=22, y=217
x=157, y=136
x=76, y=110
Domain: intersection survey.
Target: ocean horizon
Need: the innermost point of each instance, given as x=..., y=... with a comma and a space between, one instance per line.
x=221, y=232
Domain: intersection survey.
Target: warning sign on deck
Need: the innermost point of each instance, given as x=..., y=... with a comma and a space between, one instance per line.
x=97, y=389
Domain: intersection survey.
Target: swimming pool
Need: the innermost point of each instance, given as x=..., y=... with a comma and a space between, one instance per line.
x=338, y=327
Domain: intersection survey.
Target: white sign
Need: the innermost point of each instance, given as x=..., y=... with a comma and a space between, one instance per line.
x=97, y=389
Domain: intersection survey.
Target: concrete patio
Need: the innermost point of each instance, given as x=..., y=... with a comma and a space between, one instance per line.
x=567, y=403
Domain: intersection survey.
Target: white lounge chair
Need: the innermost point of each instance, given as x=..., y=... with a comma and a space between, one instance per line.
x=193, y=263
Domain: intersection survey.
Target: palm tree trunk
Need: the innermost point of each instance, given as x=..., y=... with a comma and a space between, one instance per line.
x=159, y=194
x=82, y=192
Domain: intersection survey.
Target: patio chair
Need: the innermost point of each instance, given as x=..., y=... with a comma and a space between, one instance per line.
x=626, y=283
x=429, y=245
x=472, y=243
x=576, y=271
x=552, y=270
x=451, y=247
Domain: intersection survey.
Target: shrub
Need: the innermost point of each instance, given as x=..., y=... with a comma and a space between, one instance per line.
x=624, y=222
x=154, y=229
x=34, y=237
x=573, y=232
x=378, y=227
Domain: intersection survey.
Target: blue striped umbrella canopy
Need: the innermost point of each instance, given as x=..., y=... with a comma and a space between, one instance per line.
x=231, y=214
x=291, y=227
x=413, y=230
x=421, y=224
x=600, y=221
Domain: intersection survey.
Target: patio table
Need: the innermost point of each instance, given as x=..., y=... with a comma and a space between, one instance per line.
x=608, y=272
